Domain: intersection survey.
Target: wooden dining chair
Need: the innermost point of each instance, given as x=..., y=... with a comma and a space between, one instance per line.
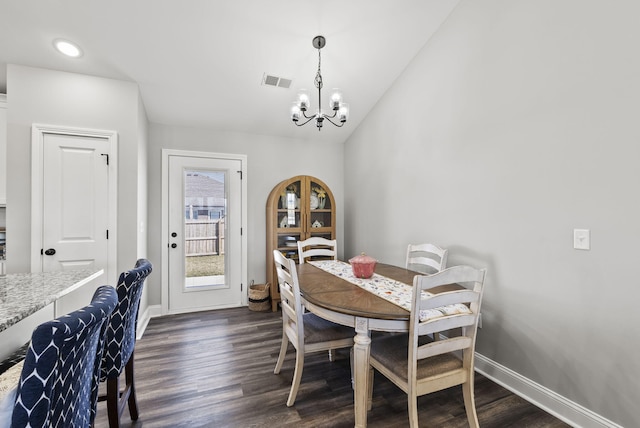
x=57, y=386
x=426, y=258
x=317, y=247
x=120, y=343
x=417, y=364
x=307, y=332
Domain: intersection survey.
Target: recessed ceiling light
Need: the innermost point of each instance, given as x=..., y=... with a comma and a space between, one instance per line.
x=67, y=48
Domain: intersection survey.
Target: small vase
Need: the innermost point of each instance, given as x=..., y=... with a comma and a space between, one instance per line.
x=321, y=202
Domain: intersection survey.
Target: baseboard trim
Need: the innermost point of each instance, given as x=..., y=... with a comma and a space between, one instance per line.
x=561, y=407
x=143, y=320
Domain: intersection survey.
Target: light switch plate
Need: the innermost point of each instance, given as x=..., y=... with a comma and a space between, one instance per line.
x=581, y=239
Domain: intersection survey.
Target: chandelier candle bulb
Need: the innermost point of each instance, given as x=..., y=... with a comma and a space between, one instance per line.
x=344, y=112
x=295, y=112
x=336, y=100
x=303, y=101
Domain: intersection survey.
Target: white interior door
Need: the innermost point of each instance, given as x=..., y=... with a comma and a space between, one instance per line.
x=204, y=233
x=75, y=202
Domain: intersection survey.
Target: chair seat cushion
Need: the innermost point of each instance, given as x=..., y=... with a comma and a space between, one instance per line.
x=392, y=351
x=9, y=380
x=6, y=407
x=318, y=329
x=8, y=390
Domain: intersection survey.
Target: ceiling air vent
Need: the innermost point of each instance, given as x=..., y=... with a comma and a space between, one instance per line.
x=280, y=82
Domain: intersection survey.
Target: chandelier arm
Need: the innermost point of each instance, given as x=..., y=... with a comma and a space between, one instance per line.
x=305, y=122
x=335, y=124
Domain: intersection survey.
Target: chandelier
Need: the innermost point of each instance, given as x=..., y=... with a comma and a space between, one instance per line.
x=300, y=107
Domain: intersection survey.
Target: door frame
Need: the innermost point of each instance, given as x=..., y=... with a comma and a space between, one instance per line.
x=164, y=242
x=38, y=132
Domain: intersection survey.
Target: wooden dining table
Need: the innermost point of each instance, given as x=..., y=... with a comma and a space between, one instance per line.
x=338, y=300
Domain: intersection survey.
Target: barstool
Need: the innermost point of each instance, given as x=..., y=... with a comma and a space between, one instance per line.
x=120, y=343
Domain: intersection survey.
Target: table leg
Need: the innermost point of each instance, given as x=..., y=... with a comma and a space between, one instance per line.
x=361, y=350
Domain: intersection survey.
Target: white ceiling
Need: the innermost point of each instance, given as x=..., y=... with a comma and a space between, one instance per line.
x=200, y=63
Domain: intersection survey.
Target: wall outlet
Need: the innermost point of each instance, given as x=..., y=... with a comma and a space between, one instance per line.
x=581, y=239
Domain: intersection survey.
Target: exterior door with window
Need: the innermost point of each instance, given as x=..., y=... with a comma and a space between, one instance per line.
x=205, y=213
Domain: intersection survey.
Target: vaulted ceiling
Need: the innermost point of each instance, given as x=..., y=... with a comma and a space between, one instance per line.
x=200, y=63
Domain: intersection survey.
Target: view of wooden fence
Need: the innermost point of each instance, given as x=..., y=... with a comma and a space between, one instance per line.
x=204, y=237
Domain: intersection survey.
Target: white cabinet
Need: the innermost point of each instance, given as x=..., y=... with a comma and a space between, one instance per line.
x=3, y=150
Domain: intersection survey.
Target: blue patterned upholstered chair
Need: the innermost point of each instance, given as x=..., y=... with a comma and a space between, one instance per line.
x=57, y=385
x=121, y=339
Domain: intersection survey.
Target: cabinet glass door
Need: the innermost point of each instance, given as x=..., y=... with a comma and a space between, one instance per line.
x=320, y=214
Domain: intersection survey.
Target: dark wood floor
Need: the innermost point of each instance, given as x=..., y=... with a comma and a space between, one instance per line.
x=215, y=369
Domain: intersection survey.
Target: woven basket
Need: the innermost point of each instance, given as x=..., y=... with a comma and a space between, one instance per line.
x=259, y=297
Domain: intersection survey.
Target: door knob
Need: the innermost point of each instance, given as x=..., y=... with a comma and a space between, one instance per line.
x=174, y=245
x=50, y=252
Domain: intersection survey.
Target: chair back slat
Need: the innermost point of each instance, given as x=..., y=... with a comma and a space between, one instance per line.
x=467, y=276
x=443, y=346
x=449, y=298
x=435, y=264
x=446, y=323
x=317, y=252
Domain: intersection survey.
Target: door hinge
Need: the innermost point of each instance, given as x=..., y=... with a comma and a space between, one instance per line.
x=42, y=251
x=107, y=155
x=240, y=172
x=240, y=231
x=241, y=286
x=107, y=233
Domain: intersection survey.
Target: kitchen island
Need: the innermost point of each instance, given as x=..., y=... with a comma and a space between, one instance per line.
x=28, y=299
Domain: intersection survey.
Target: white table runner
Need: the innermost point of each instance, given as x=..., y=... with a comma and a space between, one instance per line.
x=389, y=289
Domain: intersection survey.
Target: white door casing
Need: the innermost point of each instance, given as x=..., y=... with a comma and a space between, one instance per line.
x=74, y=188
x=180, y=294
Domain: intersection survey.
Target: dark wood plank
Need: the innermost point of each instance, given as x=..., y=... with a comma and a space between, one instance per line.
x=215, y=369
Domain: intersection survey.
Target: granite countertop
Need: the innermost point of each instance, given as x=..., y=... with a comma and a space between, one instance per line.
x=23, y=294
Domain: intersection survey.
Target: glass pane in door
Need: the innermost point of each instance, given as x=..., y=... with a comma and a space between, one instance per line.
x=205, y=207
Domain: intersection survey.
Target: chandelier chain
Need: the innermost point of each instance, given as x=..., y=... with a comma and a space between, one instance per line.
x=318, y=80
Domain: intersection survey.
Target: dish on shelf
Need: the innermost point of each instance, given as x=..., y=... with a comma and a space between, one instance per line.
x=290, y=241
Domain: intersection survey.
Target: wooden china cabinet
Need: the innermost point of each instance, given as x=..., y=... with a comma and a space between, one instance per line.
x=297, y=209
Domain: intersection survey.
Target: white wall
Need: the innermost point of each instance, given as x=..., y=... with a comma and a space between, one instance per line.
x=269, y=160
x=74, y=100
x=517, y=123
x=142, y=182
x=143, y=199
